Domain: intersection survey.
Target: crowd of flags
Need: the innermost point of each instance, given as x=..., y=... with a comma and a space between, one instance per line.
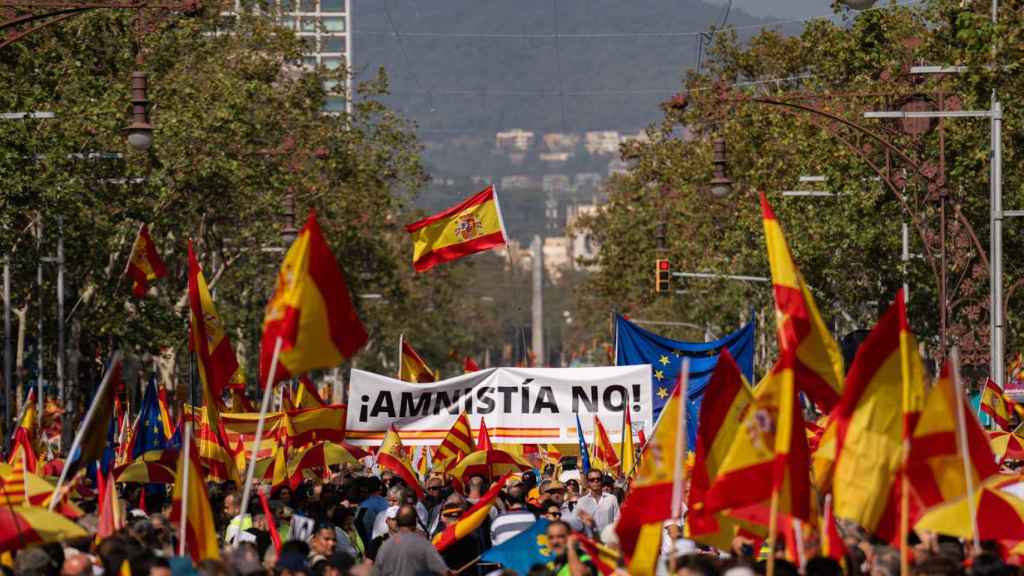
x=889, y=453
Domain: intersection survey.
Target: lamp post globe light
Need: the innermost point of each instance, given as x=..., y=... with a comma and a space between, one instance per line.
x=720, y=185
x=858, y=4
x=140, y=131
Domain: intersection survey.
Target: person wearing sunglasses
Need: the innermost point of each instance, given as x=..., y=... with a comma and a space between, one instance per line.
x=597, y=508
x=555, y=491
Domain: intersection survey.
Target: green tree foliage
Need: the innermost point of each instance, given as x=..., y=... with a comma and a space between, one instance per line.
x=848, y=246
x=238, y=126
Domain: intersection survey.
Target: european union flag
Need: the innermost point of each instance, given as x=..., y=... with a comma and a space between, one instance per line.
x=634, y=345
x=524, y=550
x=584, y=453
x=149, y=432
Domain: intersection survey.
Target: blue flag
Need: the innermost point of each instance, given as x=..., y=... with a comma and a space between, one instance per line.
x=524, y=550
x=584, y=454
x=634, y=345
x=149, y=432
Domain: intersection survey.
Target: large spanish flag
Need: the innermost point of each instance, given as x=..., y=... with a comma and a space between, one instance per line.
x=144, y=263
x=412, y=367
x=726, y=399
x=882, y=399
x=311, y=310
x=770, y=455
x=817, y=362
x=935, y=466
x=472, y=226
x=216, y=360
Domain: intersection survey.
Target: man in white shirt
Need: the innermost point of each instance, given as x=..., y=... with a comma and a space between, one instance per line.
x=596, y=509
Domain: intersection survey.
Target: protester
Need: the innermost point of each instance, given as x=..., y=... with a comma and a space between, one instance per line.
x=514, y=520
x=597, y=508
x=408, y=552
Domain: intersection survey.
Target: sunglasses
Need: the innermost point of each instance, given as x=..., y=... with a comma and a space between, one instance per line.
x=555, y=491
x=555, y=514
x=434, y=488
x=595, y=479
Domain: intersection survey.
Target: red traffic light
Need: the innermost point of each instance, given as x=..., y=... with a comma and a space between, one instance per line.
x=663, y=265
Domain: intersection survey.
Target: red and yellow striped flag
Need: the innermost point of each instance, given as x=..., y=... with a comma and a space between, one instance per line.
x=770, y=456
x=604, y=453
x=483, y=437
x=605, y=559
x=165, y=415
x=882, y=398
x=24, y=436
x=200, y=532
x=307, y=396
x=817, y=362
x=412, y=367
x=311, y=311
x=471, y=519
x=472, y=226
x=456, y=444
x=726, y=399
x=144, y=263
x=628, y=460
x=392, y=456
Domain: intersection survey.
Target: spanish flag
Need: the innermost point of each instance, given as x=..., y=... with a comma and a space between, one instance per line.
x=311, y=311
x=144, y=263
x=1000, y=408
x=483, y=437
x=471, y=519
x=628, y=459
x=935, y=466
x=25, y=433
x=469, y=365
x=473, y=226
x=882, y=399
x=649, y=502
x=817, y=362
x=411, y=367
x=307, y=396
x=391, y=455
x=215, y=358
x=456, y=444
x=604, y=452
x=726, y=399
x=770, y=456
x=200, y=532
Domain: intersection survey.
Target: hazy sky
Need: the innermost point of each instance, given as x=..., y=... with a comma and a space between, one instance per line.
x=780, y=8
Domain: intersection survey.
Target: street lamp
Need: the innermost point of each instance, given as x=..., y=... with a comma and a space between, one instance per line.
x=721, y=185
x=140, y=131
x=858, y=4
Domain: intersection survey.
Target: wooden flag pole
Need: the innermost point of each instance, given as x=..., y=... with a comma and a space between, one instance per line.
x=965, y=453
x=183, y=521
x=904, y=513
x=267, y=393
x=115, y=359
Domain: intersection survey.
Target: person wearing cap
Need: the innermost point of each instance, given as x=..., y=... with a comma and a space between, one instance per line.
x=467, y=549
x=555, y=491
x=597, y=508
x=390, y=515
x=408, y=552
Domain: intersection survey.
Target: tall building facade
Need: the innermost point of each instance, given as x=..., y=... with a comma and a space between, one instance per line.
x=326, y=25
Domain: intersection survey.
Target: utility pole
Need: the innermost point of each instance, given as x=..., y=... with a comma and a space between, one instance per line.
x=7, y=351
x=538, y=301
x=39, y=323
x=60, y=312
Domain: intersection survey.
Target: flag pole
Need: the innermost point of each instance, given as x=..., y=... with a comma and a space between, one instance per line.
x=622, y=436
x=401, y=339
x=961, y=418
x=773, y=531
x=115, y=359
x=679, y=465
x=267, y=393
x=183, y=522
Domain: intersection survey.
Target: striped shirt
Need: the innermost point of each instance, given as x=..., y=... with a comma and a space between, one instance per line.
x=509, y=524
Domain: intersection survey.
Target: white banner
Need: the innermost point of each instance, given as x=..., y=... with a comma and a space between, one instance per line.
x=520, y=405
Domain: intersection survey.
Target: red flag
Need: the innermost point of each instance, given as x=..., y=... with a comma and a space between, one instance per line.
x=144, y=263
x=468, y=365
x=483, y=438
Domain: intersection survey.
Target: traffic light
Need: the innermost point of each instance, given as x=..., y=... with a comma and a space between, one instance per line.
x=662, y=275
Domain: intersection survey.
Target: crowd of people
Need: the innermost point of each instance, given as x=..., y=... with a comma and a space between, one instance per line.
x=365, y=524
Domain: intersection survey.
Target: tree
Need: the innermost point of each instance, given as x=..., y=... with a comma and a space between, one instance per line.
x=847, y=246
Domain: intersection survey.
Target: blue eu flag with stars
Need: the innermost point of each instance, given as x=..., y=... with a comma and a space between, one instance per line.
x=149, y=433
x=634, y=345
